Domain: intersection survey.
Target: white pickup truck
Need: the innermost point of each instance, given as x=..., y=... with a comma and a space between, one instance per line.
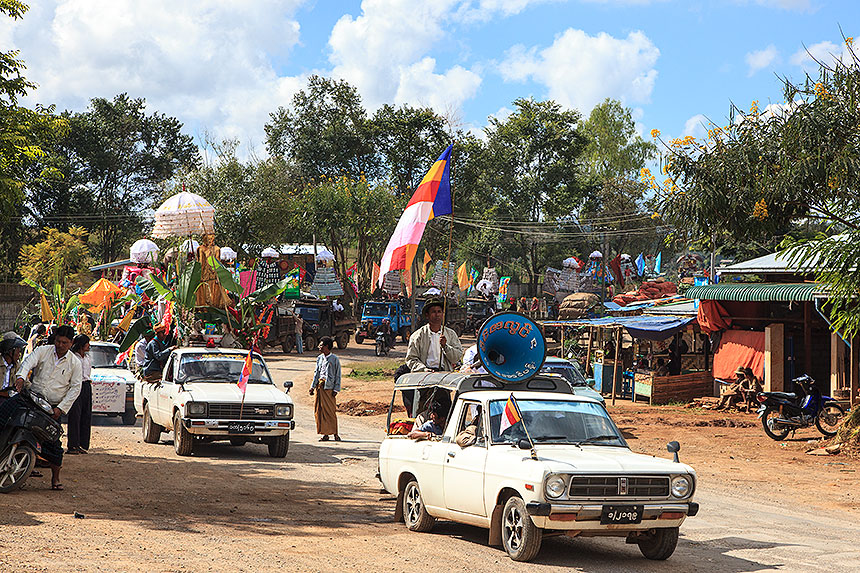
x=198, y=399
x=581, y=479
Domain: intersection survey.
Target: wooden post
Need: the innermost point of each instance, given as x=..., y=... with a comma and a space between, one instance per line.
x=807, y=338
x=588, y=352
x=837, y=360
x=617, y=360
x=855, y=370
x=774, y=358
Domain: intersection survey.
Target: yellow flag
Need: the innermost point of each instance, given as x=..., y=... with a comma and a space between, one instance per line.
x=464, y=279
x=126, y=320
x=47, y=315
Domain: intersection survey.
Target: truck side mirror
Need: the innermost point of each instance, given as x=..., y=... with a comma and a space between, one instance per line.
x=591, y=382
x=673, y=448
x=288, y=385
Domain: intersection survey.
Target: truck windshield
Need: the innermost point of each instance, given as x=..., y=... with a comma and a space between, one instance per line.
x=105, y=357
x=557, y=422
x=376, y=309
x=569, y=371
x=308, y=313
x=217, y=367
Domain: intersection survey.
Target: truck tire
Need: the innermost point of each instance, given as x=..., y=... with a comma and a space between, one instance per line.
x=288, y=344
x=310, y=343
x=358, y=338
x=660, y=545
x=129, y=417
x=521, y=538
x=342, y=340
x=279, y=446
x=414, y=512
x=405, y=332
x=183, y=441
x=151, y=430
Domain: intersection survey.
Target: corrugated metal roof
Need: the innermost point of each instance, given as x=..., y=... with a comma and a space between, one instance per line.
x=112, y=265
x=755, y=292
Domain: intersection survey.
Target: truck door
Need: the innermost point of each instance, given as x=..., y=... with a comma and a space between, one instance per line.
x=463, y=472
x=162, y=409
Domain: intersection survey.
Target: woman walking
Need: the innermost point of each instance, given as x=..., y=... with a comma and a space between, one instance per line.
x=81, y=412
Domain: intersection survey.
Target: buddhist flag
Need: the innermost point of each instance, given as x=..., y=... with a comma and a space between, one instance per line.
x=376, y=275
x=246, y=371
x=432, y=198
x=510, y=416
x=464, y=279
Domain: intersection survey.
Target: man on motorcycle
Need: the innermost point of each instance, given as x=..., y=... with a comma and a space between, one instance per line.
x=385, y=329
x=57, y=376
x=11, y=348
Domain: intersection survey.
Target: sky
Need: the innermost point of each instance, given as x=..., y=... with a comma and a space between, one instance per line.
x=222, y=66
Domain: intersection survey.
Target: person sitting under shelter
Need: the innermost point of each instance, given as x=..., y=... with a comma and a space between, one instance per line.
x=735, y=391
x=432, y=427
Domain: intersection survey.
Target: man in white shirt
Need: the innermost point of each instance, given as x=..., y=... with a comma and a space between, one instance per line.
x=56, y=375
x=140, y=349
x=432, y=347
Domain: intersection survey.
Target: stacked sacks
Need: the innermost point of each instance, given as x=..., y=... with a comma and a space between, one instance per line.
x=577, y=305
x=649, y=290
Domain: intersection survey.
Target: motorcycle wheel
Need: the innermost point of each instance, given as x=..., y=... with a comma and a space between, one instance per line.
x=378, y=349
x=829, y=418
x=771, y=416
x=18, y=469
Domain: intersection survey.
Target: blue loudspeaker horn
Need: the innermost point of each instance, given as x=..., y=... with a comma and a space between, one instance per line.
x=511, y=347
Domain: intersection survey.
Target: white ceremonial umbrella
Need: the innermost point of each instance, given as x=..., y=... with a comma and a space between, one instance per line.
x=484, y=287
x=143, y=251
x=269, y=252
x=190, y=246
x=570, y=262
x=595, y=255
x=228, y=254
x=325, y=255
x=182, y=215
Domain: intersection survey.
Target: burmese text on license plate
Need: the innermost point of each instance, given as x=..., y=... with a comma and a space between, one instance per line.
x=621, y=514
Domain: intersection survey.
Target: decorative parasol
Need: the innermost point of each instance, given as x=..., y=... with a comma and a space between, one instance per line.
x=228, y=254
x=184, y=214
x=484, y=287
x=595, y=255
x=325, y=255
x=269, y=252
x=100, y=294
x=144, y=251
x=190, y=246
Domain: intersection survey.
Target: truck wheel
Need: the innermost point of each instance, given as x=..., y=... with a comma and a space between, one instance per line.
x=183, y=441
x=151, y=430
x=405, y=332
x=660, y=545
x=520, y=536
x=414, y=513
x=358, y=338
x=129, y=417
x=288, y=344
x=310, y=343
x=18, y=469
x=279, y=446
x=343, y=341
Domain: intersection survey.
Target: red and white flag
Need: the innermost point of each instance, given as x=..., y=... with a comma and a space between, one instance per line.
x=510, y=416
x=246, y=371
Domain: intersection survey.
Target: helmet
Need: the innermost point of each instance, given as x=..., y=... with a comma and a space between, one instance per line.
x=10, y=342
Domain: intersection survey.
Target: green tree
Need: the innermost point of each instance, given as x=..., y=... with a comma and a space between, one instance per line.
x=57, y=256
x=325, y=132
x=116, y=158
x=23, y=135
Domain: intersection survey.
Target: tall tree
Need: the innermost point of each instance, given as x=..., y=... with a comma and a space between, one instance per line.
x=23, y=135
x=326, y=132
x=116, y=159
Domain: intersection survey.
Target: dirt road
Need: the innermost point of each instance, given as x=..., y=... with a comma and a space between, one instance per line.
x=765, y=506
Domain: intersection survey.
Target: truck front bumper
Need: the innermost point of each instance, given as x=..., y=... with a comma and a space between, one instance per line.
x=210, y=427
x=586, y=517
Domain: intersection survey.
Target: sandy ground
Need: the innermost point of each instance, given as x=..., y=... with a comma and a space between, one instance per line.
x=766, y=506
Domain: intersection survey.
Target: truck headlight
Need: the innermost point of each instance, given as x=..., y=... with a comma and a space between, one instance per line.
x=554, y=486
x=196, y=408
x=285, y=411
x=681, y=486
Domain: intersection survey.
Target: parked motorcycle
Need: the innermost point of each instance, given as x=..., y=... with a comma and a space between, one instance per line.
x=783, y=412
x=382, y=344
x=30, y=423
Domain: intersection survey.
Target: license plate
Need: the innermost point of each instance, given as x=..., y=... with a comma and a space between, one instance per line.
x=240, y=427
x=624, y=514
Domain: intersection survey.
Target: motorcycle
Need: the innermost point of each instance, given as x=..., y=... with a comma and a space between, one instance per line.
x=783, y=412
x=383, y=344
x=30, y=423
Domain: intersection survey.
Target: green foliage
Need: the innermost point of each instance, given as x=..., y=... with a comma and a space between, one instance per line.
x=59, y=254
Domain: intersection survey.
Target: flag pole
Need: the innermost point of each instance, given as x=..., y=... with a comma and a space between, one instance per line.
x=523, y=420
x=448, y=259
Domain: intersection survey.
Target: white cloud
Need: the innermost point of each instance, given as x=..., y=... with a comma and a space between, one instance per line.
x=483, y=10
x=793, y=5
x=696, y=126
x=761, y=59
x=383, y=53
x=825, y=52
x=580, y=71
x=206, y=63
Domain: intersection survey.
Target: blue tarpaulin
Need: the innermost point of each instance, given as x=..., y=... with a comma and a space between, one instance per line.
x=647, y=327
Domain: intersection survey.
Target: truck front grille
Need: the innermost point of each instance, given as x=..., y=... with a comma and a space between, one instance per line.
x=249, y=411
x=619, y=486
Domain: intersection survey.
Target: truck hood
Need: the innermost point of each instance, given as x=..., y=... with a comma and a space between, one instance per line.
x=596, y=459
x=113, y=375
x=230, y=393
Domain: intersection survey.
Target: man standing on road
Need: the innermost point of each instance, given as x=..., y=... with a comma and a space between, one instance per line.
x=327, y=378
x=57, y=376
x=432, y=347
